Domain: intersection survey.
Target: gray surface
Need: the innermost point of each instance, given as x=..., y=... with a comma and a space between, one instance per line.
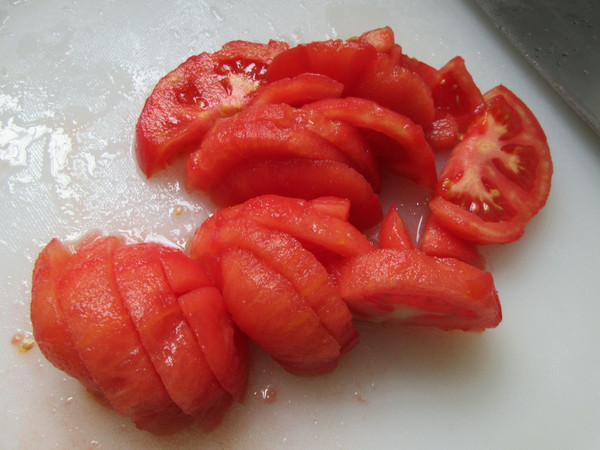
x=562, y=40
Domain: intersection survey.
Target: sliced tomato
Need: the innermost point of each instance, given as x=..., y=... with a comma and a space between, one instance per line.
x=443, y=133
x=395, y=87
x=393, y=233
x=381, y=38
x=49, y=328
x=407, y=153
x=457, y=93
x=224, y=346
x=428, y=74
x=239, y=139
x=298, y=90
x=302, y=178
x=341, y=60
x=412, y=288
x=498, y=177
x=333, y=206
x=187, y=101
x=267, y=308
x=163, y=330
x=183, y=273
x=107, y=340
x=437, y=241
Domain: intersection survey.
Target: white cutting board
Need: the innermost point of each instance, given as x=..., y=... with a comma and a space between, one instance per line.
x=73, y=79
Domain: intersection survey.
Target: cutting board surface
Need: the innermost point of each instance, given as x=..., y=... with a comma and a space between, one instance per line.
x=74, y=76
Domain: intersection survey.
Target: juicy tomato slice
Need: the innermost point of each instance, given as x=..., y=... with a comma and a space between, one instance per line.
x=49, y=327
x=183, y=273
x=224, y=346
x=341, y=60
x=187, y=101
x=498, y=177
x=163, y=330
x=242, y=138
x=381, y=38
x=437, y=241
x=267, y=308
x=412, y=288
x=408, y=153
x=298, y=90
x=107, y=340
x=393, y=233
x=457, y=93
x=395, y=87
x=443, y=133
x=302, y=178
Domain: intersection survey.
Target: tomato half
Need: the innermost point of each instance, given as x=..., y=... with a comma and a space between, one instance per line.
x=498, y=177
x=187, y=101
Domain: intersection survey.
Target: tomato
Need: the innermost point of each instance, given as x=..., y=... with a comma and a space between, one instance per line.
x=298, y=90
x=107, y=341
x=407, y=153
x=381, y=38
x=393, y=233
x=443, y=133
x=341, y=60
x=412, y=288
x=183, y=273
x=164, y=332
x=302, y=178
x=457, y=93
x=187, y=101
x=498, y=177
x=224, y=346
x=266, y=307
x=437, y=241
x=49, y=327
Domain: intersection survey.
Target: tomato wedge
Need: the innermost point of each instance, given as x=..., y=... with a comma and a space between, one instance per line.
x=187, y=101
x=412, y=288
x=393, y=233
x=298, y=90
x=498, y=177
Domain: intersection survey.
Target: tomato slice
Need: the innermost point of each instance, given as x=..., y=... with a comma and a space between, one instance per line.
x=498, y=177
x=341, y=60
x=407, y=153
x=163, y=330
x=183, y=273
x=107, y=341
x=393, y=233
x=302, y=178
x=223, y=345
x=457, y=93
x=437, y=241
x=412, y=288
x=267, y=308
x=187, y=101
x=298, y=90
x=49, y=327
x=443, y=133
x=381, y=38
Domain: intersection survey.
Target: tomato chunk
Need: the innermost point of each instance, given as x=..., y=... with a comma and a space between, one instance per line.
x=498, y=177
x=298, y=90
x=393, y=234
x=183, y=273
x=187, y=101
x=412, y=288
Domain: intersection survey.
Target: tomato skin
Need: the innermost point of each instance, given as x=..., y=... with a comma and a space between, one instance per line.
x=381, y=38
x=498, y=177
x=187, y=101
x=412, y=288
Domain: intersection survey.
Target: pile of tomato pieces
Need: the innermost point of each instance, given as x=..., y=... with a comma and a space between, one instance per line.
x=291, y=144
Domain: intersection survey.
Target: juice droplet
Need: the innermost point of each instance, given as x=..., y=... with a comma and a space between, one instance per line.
x=267, y=394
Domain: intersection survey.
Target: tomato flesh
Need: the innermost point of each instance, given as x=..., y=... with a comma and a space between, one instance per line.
x=393, y=233
x=498, y=177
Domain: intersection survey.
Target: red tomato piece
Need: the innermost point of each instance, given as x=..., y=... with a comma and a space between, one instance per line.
x=267, y=308
x=187, y=101
x=333, y=206
x=341, y=60
x=224, y=346
x=164, y=332
x=381, y=38
x=394, y=87
x=298, y=90
x=302, y=178
x=412, y=288
x=284, y=254
x=393, y=233
x=457, y=93
x=443, y=133
x=183, y=273
x=237, y=140
x=437, y=241
x=498, y=177
x=107, y=341
x=50, y=330
x=428, y=74
x=408, y=154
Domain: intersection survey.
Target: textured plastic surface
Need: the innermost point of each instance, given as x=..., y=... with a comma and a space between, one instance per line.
x=73, y=78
